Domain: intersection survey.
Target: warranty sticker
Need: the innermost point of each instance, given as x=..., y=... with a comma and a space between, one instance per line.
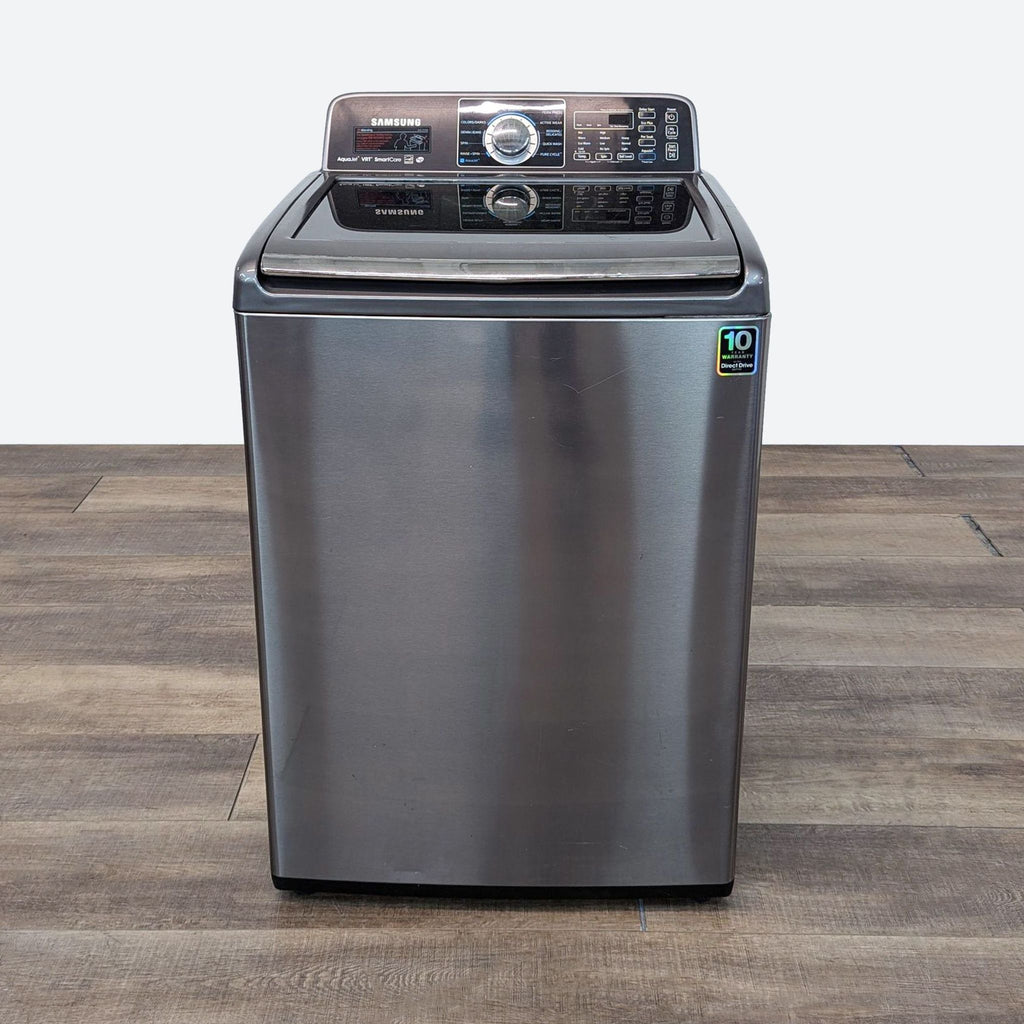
x=737, y=350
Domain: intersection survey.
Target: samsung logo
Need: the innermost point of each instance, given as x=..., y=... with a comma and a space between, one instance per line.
x=395, y=122
x=400, y=212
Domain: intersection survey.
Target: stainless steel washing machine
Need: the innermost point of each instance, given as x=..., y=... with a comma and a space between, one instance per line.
x=502, y=365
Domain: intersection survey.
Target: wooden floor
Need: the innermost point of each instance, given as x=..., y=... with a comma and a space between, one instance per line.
x=881, y=851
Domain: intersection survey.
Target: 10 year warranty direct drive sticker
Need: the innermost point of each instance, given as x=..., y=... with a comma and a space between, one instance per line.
x=737, y=350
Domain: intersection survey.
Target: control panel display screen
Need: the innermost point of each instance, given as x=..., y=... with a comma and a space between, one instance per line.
x=602, y=119
x=369, y=139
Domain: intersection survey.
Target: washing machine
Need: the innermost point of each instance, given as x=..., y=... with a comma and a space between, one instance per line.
x=502, y=363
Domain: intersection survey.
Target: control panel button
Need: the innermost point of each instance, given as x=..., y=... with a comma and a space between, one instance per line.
x=648, y=156
x=647, y=142
x=671, y=131
x=671, y=116
x=670, y=191
x=602, y=156
x=648, y=126
x=581, y=154
x=671, y=150
x=647, y=113
x=625, y=156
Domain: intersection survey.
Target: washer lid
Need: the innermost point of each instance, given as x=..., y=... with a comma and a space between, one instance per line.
x=504, y=229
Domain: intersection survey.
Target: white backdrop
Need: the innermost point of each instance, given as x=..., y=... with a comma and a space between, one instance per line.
x=873, y=148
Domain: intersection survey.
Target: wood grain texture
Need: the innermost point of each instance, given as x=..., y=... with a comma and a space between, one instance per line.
x=981, y=582
x=907, y=535
x=793, y=879
x=858, y=880
x=1006, y=532
x=43, y=493
x=207, y=494
x=124, y=579
x=218, y=635
x=113, y=533
x=128, y=699
x=184, y=875
x=119, y=777
x=391, y=976
x=834, y=460
x=951, y=637
x=885, y=701
x=126, y=459
x=884, y=494
x=837, y=780
x=968, y=461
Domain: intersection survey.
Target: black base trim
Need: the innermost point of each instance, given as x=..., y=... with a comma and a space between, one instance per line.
x=505, y=892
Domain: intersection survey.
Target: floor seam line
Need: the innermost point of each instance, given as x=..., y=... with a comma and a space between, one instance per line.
x=981, y=534
x=87, y=493
x=245, y=772
x=909, y=460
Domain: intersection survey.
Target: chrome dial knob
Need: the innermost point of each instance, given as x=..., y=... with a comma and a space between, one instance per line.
x=511, y=203
x=511, y=138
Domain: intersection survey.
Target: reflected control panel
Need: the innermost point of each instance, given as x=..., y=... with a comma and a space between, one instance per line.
x=502, y=205
x=427, y=133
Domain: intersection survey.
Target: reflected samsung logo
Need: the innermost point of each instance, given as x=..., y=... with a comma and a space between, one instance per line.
x=383, y=211
x=396, y=122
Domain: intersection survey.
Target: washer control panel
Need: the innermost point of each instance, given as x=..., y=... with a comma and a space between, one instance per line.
x=425, y=133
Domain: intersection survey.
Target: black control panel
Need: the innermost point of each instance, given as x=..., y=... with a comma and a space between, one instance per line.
x=431, y=133
x=577, y=207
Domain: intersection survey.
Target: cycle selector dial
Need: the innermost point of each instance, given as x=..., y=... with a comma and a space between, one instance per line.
x=511, y=138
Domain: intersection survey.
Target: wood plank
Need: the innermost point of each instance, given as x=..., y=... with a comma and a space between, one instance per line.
x=908, y=535
x=189, y=875
x=883, y=683
x=858, y=780
x=206, y=635
x=968, y=460
x=126, y=459
x=386, y=976
x=1006, y=532
x=885, y=701
x=834, y=460
x=50, y=493
x=113, y=533
x=982, y=582
x=217, y=494
x=128, y=698
x=124, y=579
x=81, y=778
x=835, y=880
x=951, y=637
x=793, y=879
x=884, y=494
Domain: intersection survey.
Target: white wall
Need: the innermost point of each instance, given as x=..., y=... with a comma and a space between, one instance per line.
x=874, y=149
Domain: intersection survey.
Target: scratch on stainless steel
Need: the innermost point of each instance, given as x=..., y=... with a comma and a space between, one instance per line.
x=504, y=596
x=299, y=265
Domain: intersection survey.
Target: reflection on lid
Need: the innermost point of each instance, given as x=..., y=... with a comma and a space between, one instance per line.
x=511, y=205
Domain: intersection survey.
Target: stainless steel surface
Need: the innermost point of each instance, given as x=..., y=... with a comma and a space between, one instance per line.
x=503, y=594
